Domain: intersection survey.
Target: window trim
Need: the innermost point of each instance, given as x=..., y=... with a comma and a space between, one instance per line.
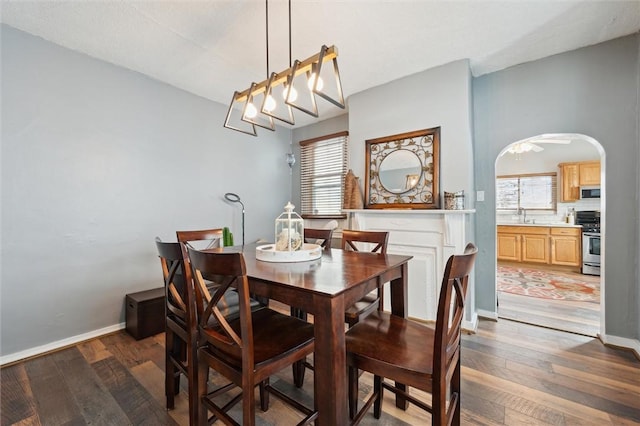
x=306, y=143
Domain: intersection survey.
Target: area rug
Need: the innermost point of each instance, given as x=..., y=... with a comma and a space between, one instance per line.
x=548, y=284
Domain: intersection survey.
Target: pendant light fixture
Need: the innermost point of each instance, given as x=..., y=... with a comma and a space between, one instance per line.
x=294, y=87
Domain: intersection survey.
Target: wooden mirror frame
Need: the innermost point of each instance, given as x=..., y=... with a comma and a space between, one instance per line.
x=426, y=194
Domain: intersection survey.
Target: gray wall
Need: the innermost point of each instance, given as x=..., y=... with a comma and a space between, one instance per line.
x=96, y=162
x=439, y=96
x=591, y=91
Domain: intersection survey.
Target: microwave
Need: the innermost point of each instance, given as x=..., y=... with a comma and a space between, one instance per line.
x=587, y=192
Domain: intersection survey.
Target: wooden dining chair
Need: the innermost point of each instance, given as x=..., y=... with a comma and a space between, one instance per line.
x=376, y=241
x=245, y=347
x=319, y=236
x=180, y=330
x=414, y=354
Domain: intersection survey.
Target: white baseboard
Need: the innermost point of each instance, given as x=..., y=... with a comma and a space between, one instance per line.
x=470, y=326
x=488, y=314
x=622, y=342
x=39, y=350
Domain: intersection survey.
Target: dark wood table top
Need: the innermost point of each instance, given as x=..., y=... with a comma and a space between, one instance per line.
x=335, y=272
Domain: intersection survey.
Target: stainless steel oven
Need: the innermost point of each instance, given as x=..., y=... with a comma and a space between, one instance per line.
x=591, y=253
x=590, y=222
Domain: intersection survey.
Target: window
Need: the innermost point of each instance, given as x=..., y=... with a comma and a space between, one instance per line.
x=323, y=164
x=530, y=192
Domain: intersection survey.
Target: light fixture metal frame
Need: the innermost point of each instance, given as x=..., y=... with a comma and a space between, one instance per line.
x=269, y=125
x=289, y=119
x=312, y=64
x=227, y=121
x=313, y=111
x=317, y=69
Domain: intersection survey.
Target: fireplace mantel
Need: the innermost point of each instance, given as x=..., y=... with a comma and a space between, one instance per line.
x=430, y=236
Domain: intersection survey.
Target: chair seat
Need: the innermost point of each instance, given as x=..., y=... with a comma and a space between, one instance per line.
x=382, y=340
x=274, y=336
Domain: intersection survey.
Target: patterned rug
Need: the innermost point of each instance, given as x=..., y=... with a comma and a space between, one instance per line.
x=548, y=284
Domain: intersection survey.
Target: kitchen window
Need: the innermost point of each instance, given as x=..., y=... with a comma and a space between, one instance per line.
x=529, y=192
x=323, y=165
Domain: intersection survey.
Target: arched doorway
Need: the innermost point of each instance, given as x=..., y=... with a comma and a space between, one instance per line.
x=536, y=280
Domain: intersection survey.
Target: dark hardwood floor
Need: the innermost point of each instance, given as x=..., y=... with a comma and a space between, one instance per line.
x=513, y=374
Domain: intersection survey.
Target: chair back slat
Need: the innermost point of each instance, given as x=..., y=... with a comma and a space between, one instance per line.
x=213, y=236
x=178, y=294
x=379, y=238
x=451, y=309
x=229, y=271
x=200, y=239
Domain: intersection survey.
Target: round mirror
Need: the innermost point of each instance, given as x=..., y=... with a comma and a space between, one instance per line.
x=400, y=171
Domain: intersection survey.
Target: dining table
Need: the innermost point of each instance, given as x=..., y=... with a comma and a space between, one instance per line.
x=325, y=287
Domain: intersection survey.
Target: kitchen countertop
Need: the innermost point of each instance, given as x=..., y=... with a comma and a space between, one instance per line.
x=543, y=224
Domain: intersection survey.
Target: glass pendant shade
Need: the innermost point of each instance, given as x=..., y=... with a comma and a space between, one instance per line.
x=250, y=112
x=277, y=93
x=234, y=117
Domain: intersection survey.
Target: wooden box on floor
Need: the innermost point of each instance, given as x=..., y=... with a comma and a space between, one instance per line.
x=145, y=313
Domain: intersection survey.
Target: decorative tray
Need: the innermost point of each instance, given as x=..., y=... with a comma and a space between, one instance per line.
x=268, y=253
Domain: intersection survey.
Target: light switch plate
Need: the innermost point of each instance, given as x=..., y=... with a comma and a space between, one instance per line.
x=479, y=195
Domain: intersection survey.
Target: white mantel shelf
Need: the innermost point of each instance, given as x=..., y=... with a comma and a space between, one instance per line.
x=430, y=236
x=408, y=211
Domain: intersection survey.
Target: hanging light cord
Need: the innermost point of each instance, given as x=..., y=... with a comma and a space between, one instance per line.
x=289, y=33
x=267, y=31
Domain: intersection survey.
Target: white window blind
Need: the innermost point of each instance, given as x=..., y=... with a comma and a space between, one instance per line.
x=530, y=192
x=323, y=165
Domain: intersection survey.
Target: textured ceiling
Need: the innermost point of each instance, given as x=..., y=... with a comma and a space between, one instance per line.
x=211, y=48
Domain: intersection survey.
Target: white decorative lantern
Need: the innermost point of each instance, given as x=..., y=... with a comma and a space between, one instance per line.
x=289, y=230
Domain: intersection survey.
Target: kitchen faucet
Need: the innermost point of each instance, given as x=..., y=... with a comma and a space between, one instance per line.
x=522, y=212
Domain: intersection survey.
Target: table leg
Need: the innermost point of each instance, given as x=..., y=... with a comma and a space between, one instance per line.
x=399, y=302
x=330, y=381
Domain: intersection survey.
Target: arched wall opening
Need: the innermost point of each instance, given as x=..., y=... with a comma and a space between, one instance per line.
x=541, y=153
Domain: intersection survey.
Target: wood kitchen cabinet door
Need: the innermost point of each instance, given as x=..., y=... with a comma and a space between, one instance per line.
x=509, y=247
x=589, y=173
x=570, y=182
x=566, y=246
x=535, y=248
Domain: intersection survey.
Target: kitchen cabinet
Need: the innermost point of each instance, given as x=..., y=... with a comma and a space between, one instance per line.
x=539, y=244
x=575, y=175
x=569, y=182
x=565, y=246
x=509, y=246
x=535, y=248
x=589, y=173
x=523, y=244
